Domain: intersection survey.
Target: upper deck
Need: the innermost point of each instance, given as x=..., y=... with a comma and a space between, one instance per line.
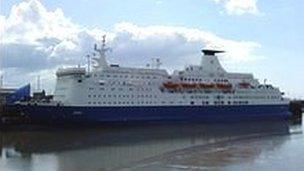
x=208, y=84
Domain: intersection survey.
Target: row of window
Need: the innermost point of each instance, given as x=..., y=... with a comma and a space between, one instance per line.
x=122, y=102
x=171, y=102
x=256, y=97
x=198, y=97
x=125, y=76
x=112, y=83
x=192, y=97
x=203, y=80
x=230, y=102
x=188, y=91
x=119, y=96
x=120, y=89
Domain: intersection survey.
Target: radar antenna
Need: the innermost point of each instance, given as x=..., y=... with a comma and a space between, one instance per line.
x=154, y=64
x=157, y=63
x=103, y=48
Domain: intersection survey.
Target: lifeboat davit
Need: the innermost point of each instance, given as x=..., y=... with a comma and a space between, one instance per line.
x=188, y=85
x=170, y=85
x=206, y=86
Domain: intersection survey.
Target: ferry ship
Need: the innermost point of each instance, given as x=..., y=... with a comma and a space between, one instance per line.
x=198, y=93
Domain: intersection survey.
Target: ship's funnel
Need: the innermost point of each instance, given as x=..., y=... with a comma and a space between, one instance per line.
x=211, y=52
x=210, y=63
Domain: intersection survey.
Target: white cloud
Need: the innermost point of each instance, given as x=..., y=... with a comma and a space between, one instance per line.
x=239, y=7
x=180, y=37
x=31, y=20
x=2, y=21
x=159, y=2
x=35, y=40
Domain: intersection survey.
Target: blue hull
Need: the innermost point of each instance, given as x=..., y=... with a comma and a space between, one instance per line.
x=156, y=113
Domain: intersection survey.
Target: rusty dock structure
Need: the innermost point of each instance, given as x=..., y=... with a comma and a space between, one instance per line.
x=297, y=109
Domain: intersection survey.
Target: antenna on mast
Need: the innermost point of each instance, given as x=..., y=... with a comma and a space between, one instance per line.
x=88, y=63
x=103, y=42
x=103, y=46
x=38, y=83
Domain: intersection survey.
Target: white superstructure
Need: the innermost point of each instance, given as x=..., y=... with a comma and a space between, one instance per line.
x=205, y=84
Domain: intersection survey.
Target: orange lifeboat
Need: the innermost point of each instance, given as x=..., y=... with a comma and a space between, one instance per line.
x=170, y=85
x=206, y=86
x=224, y=86
x=244, y=85
x=188, y=85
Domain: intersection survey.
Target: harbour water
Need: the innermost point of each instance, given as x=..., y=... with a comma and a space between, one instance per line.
x=169, y=147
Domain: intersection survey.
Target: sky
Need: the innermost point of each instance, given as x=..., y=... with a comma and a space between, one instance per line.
x=265, y=38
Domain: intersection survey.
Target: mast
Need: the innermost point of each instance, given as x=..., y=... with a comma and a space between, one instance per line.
x=1, y=81
x=101, y=60
x=89, y=63
x=38, y=83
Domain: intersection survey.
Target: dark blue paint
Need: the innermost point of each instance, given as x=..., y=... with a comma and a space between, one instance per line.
x=18, y=95
x=64, y=114
x=156, y=113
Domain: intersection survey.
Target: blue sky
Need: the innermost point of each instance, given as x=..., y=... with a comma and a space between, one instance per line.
x=273, y=31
